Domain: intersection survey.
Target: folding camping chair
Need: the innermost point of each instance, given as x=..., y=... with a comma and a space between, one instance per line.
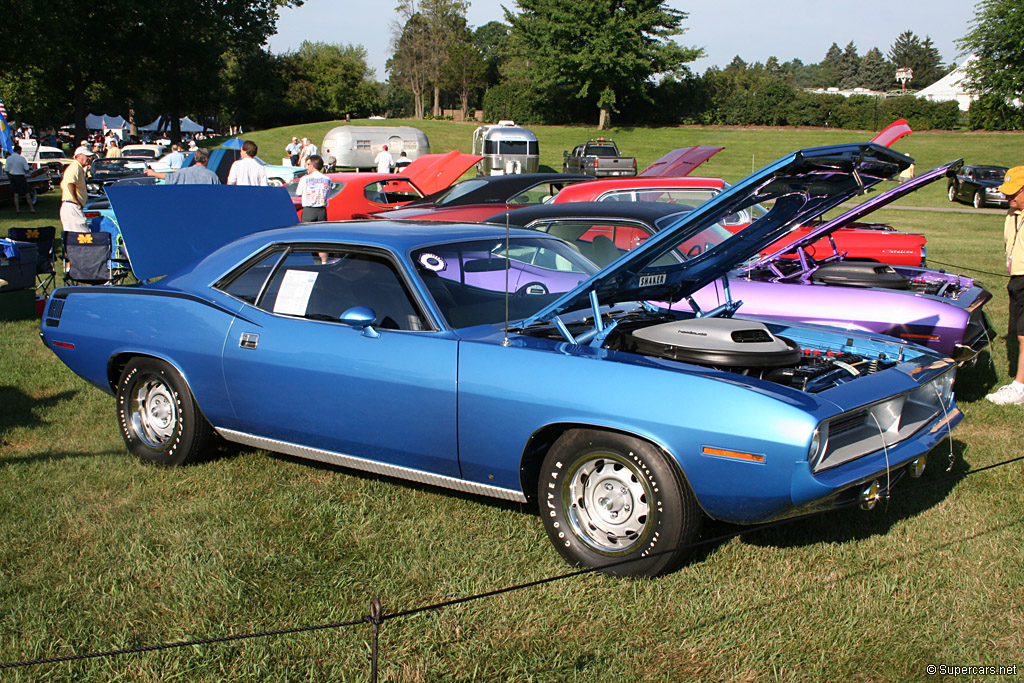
x=45, y=239
x=88, y=260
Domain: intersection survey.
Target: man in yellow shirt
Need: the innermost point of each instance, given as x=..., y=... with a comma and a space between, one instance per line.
x=1013, y=238
x=73, y=194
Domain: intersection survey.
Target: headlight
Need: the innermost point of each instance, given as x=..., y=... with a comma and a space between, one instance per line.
x=944, y=387
x=818, y=442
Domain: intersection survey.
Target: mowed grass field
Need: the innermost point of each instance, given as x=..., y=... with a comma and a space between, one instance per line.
x=98, y=551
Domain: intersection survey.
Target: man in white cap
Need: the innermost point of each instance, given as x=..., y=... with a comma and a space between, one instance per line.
x=293, y=149
x=383, y=160
x=1013, y=239
x=308, y=150
x=73, y=193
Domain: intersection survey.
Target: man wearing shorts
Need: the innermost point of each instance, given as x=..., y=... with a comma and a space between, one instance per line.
x=17, y=171
x=73, y=195
x=1013, y=238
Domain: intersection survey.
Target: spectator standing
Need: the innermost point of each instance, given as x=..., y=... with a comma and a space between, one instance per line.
x=313, y=189
x=248, y=171
x=293, y=150
x=197, y=174
x=113, y=149
x=1013, y=239
x=73, y=194
x=308, y=150
x=402, y=161
x=175, y=159
x=383, y=160
x=17, y=171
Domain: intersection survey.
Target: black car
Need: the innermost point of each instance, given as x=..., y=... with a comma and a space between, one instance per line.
x=103, y=172
x=978, y=185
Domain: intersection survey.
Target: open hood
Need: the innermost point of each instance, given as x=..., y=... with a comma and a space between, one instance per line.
x=680, y=162
x=802, y=185
x=167, y=227
x=434, y=172
x=893, y=132
x=863, y=209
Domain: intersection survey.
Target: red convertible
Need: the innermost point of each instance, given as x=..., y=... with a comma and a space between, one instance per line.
x=356, y=194
x=877, y=242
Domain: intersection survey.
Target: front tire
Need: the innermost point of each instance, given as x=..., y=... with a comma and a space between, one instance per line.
x=609, y=498
x=160, y=421
x=979, y=200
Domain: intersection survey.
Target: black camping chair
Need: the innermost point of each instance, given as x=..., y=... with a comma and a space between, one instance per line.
x=88, y=259
x=45, y=239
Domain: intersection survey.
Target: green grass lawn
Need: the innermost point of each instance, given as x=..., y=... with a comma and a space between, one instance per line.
x=98, y=551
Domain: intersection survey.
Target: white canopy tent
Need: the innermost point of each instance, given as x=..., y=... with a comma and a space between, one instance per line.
x=951, y=87
x=164, y=123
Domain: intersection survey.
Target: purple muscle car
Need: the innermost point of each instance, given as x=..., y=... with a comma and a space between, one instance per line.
x=941, y=310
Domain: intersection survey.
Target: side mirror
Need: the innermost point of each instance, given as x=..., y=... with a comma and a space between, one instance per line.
x=361, y=318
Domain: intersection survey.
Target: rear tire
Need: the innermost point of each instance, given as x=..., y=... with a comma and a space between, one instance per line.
x=160, y=421
x=606, y=498
x=951, y=192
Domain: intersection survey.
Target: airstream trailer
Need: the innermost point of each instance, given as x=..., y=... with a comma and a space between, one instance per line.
x=506, y=148
x=356, y=146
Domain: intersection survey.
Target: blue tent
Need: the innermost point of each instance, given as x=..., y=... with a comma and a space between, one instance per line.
x=233, y=143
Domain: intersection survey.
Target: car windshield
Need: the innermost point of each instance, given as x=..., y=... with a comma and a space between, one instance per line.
x=115, y=165
x=458, y=190
x=468, y=280
x=990, y=173
x=139, y=152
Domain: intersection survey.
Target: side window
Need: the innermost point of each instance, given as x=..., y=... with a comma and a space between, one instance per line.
x=322, y=285
x=247, y=282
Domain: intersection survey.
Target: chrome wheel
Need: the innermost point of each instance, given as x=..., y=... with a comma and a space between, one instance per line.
x=608, y=504
x=979, y=200
x=951, y=193
x=275, y=182
x=154, y=412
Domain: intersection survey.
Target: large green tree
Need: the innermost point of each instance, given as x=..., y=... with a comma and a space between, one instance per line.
x=909, y=51
x=996, y=39
x=329, y=81
x=598, y=51
x=875, y=73
x=440, y=25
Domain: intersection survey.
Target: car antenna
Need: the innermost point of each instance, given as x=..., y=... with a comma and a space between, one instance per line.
x=504, y=342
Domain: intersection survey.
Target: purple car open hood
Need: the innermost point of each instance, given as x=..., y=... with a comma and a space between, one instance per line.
x=862, y=210
x=167, y=227
x=802, y=185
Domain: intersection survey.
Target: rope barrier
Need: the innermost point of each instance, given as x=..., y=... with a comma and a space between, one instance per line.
x=377, y=616
x=973, y=270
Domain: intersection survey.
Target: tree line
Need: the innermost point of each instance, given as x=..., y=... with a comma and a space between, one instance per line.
x=552, y=61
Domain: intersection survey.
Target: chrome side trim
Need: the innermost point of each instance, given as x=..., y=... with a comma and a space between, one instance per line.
x=372, y=466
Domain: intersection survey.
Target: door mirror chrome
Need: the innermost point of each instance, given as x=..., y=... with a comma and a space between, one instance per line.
x=362, y=318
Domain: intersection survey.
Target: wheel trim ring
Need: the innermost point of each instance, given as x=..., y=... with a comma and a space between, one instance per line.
x=153, y=412
x=589, y=504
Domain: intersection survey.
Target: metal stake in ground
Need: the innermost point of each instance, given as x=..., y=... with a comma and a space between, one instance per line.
x=376, y=618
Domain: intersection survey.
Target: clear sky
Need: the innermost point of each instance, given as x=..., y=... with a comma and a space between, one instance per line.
x=752, y=29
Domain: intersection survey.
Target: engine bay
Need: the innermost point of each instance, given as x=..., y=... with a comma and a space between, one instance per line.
x=745, y=347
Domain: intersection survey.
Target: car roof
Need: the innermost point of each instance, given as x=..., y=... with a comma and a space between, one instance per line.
x=641, y=211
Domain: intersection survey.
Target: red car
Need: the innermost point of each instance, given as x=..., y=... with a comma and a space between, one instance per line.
x=876, y=242
x=353, y=195
x=477, y=199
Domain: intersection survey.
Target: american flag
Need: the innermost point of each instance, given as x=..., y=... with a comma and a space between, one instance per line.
x=3, y=109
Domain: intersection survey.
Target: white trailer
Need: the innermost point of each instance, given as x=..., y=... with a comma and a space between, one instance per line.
x=506, y=148
x=356, y=146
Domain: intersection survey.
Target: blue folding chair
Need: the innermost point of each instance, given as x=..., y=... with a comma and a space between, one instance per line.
x=45, y=239
x=88, y=259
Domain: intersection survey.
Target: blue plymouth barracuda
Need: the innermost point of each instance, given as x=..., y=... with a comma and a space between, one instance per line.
x=499, y=362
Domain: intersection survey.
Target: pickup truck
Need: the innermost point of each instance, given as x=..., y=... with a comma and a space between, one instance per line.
x=599, y=158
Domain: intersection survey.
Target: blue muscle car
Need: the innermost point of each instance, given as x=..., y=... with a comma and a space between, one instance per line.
x=453, y=355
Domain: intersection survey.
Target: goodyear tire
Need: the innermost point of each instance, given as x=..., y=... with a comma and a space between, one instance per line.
x=607, y=498
x=159, y=418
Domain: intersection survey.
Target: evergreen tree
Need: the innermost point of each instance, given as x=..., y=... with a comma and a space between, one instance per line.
x=830, y=69
x=876, y=73
x=908, y=51
x=849, y=67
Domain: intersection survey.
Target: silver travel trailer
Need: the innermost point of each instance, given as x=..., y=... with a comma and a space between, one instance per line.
x=506, y=148
x=356, y=146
